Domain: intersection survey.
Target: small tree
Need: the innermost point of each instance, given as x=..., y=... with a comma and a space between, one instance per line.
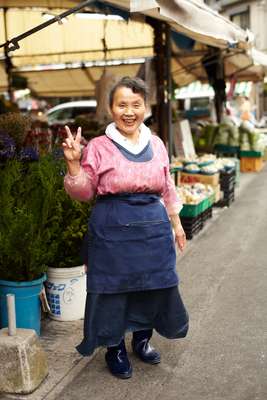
x=40, y=225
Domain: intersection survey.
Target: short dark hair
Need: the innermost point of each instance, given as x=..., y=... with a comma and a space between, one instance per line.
x=136, y=84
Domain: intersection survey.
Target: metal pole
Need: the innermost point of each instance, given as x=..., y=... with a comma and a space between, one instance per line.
x=12, y=44
x=160, y=54
x=169, y=89
x=11, y=312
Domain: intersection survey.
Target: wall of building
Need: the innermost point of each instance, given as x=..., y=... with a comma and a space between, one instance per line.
x=258, y=17
x=257, y=10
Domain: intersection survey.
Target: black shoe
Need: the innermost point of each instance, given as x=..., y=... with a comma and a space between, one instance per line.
x=145, y=352
x=118, y=362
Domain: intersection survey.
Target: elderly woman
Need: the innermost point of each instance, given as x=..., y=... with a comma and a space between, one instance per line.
x=132, y=284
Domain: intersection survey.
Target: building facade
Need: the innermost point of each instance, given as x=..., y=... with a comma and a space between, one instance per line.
x=250, y=15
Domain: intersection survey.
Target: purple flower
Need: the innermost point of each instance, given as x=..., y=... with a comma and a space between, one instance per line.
x=28, y=154
x=7, y=147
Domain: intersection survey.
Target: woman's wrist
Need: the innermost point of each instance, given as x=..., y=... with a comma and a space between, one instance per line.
x=175, y=221
x=73, y=167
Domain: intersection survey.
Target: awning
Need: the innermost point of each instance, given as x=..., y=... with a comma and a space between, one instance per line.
x=77, y=40
x=73, y=82
x=3, y=78
x=241, y=65
x=191, y=17
x=38, y=3
x=196, y=20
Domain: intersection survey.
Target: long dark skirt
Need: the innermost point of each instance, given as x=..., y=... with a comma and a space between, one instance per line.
x=109, y=316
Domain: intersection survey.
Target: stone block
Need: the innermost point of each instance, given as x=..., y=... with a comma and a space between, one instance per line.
x=23, y=363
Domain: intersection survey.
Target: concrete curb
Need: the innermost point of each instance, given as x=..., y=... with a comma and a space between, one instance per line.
x=57, y=389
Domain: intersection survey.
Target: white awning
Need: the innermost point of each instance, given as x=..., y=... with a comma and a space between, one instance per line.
x=38, y=3
x=196, y=20
x=76, y=40
x=3, y=78
x=191, y=17
x=73, y=82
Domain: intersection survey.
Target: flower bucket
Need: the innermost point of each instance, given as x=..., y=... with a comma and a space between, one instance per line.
x=66, y=293
x=27, y=303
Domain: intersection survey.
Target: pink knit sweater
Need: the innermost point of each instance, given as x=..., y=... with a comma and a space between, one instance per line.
x=106, y=171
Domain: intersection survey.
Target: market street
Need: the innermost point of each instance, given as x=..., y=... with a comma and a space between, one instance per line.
x=223, y=283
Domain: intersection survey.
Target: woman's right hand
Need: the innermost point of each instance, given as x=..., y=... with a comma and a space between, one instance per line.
x=72, y=145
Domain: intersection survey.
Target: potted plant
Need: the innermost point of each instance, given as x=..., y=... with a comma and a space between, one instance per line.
x=66, y=275
x=40, y=226
x=22, y=251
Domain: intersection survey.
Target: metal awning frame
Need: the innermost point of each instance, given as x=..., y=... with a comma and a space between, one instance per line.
x=13, y=44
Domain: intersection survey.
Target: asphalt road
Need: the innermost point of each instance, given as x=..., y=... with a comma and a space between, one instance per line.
x=224, y=286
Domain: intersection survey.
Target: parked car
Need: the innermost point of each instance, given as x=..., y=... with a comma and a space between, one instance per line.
x=66, y=113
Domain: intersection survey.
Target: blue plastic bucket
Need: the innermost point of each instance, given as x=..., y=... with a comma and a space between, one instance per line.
x=27, y=303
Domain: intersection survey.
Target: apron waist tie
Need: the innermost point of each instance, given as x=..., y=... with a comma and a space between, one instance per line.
x=142, y=197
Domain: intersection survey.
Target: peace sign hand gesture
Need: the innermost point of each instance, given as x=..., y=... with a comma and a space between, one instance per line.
x=71, y=145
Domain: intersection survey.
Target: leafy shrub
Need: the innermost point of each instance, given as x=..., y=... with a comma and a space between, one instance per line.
x=40, y=225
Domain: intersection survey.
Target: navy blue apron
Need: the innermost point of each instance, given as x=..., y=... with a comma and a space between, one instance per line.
x=131, y=245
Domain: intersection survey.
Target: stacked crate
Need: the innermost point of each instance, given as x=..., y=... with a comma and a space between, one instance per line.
x=194, y=216
x=227, y=184
x=251, y=161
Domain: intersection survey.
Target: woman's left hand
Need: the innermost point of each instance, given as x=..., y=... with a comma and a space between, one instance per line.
x=180, y=237
x=179, y=233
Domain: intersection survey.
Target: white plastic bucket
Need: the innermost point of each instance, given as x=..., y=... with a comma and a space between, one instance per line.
x=66, y=293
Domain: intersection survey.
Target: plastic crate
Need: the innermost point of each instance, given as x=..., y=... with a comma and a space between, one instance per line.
x=211, y=200
x=192, y=225
x=251, y=153
x=227, y=175
x=227, y=180
x=206, y=204
x=207, y=214
x=227, y=199
x=192, y=210
x=230, y=186
x=251, y=164
x=226, y=150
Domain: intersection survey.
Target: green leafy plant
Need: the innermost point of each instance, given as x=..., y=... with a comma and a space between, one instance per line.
x=40, y=225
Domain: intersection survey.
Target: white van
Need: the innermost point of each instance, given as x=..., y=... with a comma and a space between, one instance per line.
x=66, y=113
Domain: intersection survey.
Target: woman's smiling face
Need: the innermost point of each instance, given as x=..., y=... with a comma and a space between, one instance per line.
x=128, y=111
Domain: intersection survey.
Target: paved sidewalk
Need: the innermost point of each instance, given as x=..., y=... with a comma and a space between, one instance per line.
x=59, y=338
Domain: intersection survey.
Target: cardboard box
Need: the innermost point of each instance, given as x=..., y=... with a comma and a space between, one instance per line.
x=212, y=180
x=217, y=193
